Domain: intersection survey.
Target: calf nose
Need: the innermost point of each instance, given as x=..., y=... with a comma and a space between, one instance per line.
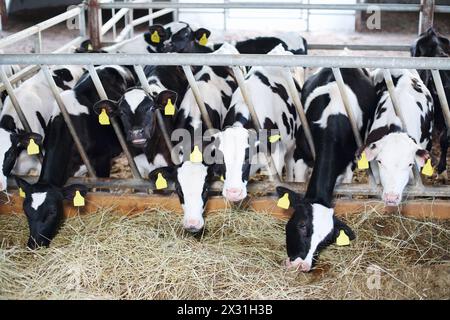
x=234, y=194
x=391, y=198
x=193, y=225
x=298, y=264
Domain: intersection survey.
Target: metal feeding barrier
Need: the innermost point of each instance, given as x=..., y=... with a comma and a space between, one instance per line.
x=234, y=61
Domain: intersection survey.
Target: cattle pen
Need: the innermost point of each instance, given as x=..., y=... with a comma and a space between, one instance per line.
x=424, y=200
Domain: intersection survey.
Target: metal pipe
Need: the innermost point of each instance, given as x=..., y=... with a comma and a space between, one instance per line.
x=159, y=118
x=274, y=174
x=124, y=33
x=94, y=23
x=82, y=22
x=442, y=97
x=151, y=16
x=426, y=15
x=355, y=47
x=300, y=110
x=38, y=42
x=198, y=97
x=14, y=101
x=68, y=121
x=102, y=94
x=197, y=59
x=114, y=19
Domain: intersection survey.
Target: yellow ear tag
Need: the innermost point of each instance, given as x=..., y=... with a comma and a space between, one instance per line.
x=103, y=118
x=274, y=138
x=427, y=170
x=342, y=239
x=362, y=162
x=196, y=155
x=203, y=40
x=169, y=109
x=155, y=37
x=78, y=200
x=32, y=148
x=161, y=183
x=21, y=193
x=90, y=48
x=222, y=178
x=284, y=202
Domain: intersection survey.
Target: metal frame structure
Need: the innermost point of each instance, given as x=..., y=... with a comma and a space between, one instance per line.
x=235, y=61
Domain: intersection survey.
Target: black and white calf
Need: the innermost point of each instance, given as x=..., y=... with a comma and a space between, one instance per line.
x=395, y=148
x=313, y=225
x=275, y=109
x=432, y=44
x=37, y=101
x=43, y=200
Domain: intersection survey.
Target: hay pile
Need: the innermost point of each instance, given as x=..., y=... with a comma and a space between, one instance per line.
x=149, y=256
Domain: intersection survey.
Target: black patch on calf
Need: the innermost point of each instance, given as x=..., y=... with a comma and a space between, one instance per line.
x=7, y=122
x=204, y=77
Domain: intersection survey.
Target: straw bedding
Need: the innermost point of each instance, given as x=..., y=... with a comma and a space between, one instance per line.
x=240, y=255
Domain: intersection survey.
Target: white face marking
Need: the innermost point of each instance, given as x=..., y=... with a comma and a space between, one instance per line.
x=322, y=226
x=38, y=199
x=5, y=145
x=192, y=178
x=134, y=98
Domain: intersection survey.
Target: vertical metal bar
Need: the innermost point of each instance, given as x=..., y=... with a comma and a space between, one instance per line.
x=274, y=174
x=127, y=23
x=300, y=110
x=442, y=97
x=114, y=27
x=144, y=83
x=15, y=103
x=198, y=97
x=131, y=17
x=176, y=13
x=94, y=23
x=391, y=89
x=426, y=15
x=351, y=117
x=102, y=93
x=38, y=42
x=68, y=121
x=82, y=22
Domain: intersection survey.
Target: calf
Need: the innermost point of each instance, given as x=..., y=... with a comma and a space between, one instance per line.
x=43, y=200
x=37, y=101
x=395, y=148
x=432, y=44
x=276, y=112
x=313, y=225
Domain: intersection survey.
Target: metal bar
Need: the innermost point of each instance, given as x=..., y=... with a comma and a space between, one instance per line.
x=68, y=121
x=150, y=17
x=130, y=18
x=144, y=83
x=14, y=101
x=127, y=21
x=21, y=35
x=114, y=27
x=94, y=23
x=357, y=47
x=442, y=97
x=300, y=110
x=102, y=94
x=426, y=15
x=264, y=5
x=82, y=22
x=391, y=89
x=124, y=33
x=274, y=174
x=38, y=42
x=198, y=97
x=197, y=59
x=114, y=19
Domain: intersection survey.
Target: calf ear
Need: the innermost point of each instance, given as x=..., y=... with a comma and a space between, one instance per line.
x=422, y=156
x=70, y=191
x=340, y=225
x=294, y=197
x=110, y=106
x=25, y=186
x=216, y=171
x=200, y=33
x=168, y=173
x=23, y=139
x=160, y=31
x=163, y=98
x=371, y=151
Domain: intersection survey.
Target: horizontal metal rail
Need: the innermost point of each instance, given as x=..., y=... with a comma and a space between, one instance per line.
x=359, y=47
x=196, y=59
x=395, y=7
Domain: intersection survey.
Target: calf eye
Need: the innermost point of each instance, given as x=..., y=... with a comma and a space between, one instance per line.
x=411, y=164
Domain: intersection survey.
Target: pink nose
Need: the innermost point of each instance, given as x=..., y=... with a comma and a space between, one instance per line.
x=298, y=264
x=193, y=225
x=234, y=194
x=391, y=198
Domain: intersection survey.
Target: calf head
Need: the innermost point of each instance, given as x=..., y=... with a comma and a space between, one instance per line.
x=234, y=144
x=175, y=37
x=192, y=181
x=395, y=154
x=137, y=113
x=86, y=47
x=43, y=206
x=311, y=228
x=431, y=44
x=11, y=145
x=66, y=77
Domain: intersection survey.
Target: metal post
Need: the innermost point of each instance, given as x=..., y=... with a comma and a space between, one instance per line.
x=176, y=13
x=274, y=174
x=131, y=15
x=82, y=22
x=94, y=23
x=144, y=83
x=114, y=27
x=102, y=93
x=300, y=110
x=68, y=121
x=38, y=42
x=426, y=15
x=442, y=97
x=198, y=97
x=391, y=89
x=14, y=101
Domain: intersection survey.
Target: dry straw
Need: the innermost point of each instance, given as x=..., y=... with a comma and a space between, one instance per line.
x=149, y=256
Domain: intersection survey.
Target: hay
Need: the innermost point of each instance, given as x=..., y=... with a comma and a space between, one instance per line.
x=149, y=256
